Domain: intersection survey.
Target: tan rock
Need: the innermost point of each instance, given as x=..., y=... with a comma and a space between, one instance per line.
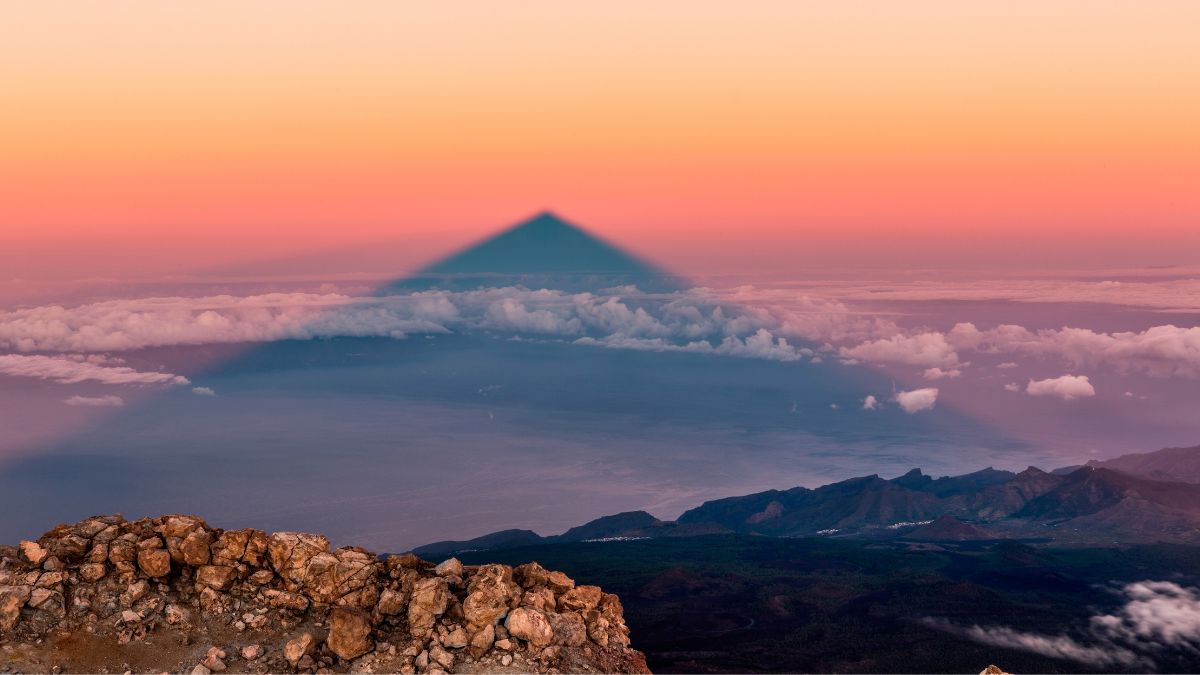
x=569, y=628
x=285, y=600
x=154, y=562
x=529, y=625
x=195, y=547
x=559, y=582
x=215, y=576
x=580, y=598
x=430, y=597
x=299, y=647
x=349, y=633
x=391, y=602
x=92, y=572
x=489, y=595
x=290, y=553
x=455, y=639
x=32, y=551
x=441, y=657
x=251, y=652
x=262, y=577
x=482, y=641
x=449, y=568
x=12, y=598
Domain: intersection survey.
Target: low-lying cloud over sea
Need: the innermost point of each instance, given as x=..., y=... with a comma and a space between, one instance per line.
x=610, y=400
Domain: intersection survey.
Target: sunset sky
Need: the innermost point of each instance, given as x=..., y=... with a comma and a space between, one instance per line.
x=152, y=136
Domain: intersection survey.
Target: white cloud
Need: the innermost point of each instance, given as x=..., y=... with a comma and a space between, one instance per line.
x=1166, y=350
x=96, y=401
x=1006, y=365
x=917, y=399
x=71, y=371
x=1066, y=387
x=1012, y=386
x=1160, y=612
x=922, y=349
x=203, y=391
x=870, y=402
x=939, y=374
x=1156, y=616
x=1053, y=646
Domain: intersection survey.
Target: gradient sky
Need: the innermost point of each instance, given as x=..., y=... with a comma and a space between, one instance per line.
x=155, y=136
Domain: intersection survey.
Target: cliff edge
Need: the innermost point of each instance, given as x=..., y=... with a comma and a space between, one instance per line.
x=174, y=594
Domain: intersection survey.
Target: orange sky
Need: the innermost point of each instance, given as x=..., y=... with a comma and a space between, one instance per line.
x=753, y=131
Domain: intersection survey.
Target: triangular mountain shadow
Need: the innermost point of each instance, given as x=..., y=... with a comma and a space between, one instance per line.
x=544, y=251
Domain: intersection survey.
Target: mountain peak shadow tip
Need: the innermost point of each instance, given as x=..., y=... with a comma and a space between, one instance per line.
x=543, y=244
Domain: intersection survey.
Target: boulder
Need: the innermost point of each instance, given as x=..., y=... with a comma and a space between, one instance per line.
x=216, y=576
x=530, y=625
x=430, y=597
x=299, y=647
x=154, y=562
x=34, y=552
x=349, y=633
x=12, y=598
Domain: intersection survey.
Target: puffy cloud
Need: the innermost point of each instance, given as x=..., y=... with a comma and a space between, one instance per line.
x=1160, y=612
x=70, y=371
x=917, y=399
x=870, y=402
x=96, y=401
x=203, y=391
x=1066, y=387
x=939, y=374
x=1012, y=386
x=922, y=349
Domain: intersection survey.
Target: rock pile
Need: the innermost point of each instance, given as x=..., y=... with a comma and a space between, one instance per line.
x=173, y=593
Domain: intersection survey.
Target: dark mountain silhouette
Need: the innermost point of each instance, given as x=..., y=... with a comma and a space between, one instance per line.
x=1088, y=505
x=1169, y=464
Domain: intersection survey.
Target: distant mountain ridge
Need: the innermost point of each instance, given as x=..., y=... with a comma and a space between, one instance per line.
x=1088, y=504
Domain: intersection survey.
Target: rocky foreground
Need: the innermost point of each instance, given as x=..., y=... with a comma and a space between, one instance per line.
x=174, y=594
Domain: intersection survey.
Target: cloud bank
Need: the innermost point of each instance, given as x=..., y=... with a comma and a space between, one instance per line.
x=69, y=370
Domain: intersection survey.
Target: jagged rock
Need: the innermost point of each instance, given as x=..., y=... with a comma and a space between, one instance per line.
x=299, y=647
x=92, y=571
x=286, y=600
x=449, y=568
x=132, y=581
x=251, y=652
x=290, y=553
x=993, y=670
x=12, y=598
x=580, y=598
x=349, y=633
x=489, y=594
x=216, y=577
x=33, y=552
x=569, y=628
x=529, y=625
x=155, y=562
x=430, y=597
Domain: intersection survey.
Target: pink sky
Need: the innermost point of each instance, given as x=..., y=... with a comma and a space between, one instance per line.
x=151, y=138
